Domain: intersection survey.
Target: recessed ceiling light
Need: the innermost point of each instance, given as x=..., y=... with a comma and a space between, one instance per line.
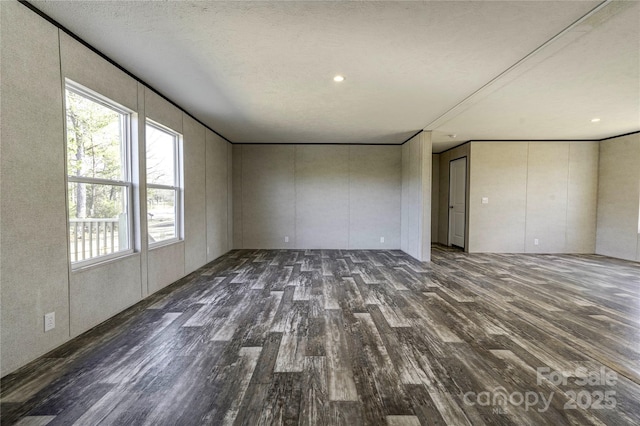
x=338, y=78
x=453, y=136
x=595, y=120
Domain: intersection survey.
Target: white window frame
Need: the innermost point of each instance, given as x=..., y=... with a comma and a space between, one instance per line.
x=177, y=187
x=126, y=159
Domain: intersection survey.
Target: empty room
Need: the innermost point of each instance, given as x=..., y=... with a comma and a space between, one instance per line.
x=319, y=212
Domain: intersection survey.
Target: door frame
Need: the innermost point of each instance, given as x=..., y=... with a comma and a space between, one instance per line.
x=466, y=202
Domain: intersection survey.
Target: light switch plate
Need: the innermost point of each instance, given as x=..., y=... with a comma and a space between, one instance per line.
x=485, y=200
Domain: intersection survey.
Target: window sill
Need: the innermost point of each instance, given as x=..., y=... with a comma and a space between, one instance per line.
x=163, y=244
x=102, y=261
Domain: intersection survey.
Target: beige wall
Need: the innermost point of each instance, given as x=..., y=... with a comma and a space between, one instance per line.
x=546, y=212
x=229, y=194
x=582, y=193
x=319, y=196
x=435, y=197
x=217, y=172
x=322, y=196
x=195, y=195
x=619, y=198
x=416, y=197
x=374, y=196
x=101, y=291
x=536, y=190
x=236, y=193
x=34, y=269
x=33, y=265
x=268, y=196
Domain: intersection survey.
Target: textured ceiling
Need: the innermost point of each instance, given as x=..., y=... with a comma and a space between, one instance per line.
x=262, y=71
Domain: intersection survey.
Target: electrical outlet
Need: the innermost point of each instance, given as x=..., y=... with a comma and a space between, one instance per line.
x=286, y=239
x=382, y=239
x=485, y=200
x=49, y=321
x=535, y=242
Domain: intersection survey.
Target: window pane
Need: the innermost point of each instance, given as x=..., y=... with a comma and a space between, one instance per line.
x=161, y=148
x=98, y=220
x=161, y=214
x=94, y=139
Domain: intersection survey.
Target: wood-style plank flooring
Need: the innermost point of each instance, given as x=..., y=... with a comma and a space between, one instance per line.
x=345, y=337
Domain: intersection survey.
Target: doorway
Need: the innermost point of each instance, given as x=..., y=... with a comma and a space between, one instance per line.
x=457, y=201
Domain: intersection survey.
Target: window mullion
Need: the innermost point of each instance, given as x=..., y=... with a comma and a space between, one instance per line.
x=157, y=186
x=97, y=181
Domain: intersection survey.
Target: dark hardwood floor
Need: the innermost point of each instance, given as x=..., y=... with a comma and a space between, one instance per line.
x=331, y=337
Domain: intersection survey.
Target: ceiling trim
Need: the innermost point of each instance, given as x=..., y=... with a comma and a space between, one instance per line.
x=331, y=143
x=554, y=140
x=619, y=136
x=452, y=148
x=318, y=143
x=539, y=140
x=412, y=136
x=57, y=24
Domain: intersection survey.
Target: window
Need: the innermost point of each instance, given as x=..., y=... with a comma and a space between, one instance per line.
x=98, y=176
x=164, y=194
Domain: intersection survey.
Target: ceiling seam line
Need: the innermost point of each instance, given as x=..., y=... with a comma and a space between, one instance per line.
x=464, y=101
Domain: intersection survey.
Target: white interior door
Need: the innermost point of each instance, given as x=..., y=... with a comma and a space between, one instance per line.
x=457, y=201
